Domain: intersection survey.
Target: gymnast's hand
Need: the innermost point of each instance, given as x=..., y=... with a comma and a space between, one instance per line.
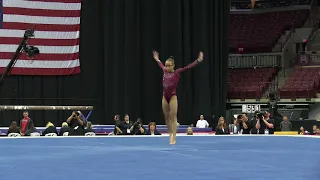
x=200, y=57
x=156, y=55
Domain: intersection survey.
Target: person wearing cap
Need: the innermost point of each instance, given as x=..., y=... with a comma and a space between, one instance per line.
x=76, y=124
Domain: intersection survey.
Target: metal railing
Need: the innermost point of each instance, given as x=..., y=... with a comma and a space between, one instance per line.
x=255, y=60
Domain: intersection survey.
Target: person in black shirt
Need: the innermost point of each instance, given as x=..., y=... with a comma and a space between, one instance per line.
x=244, y=124
x=222, y=127
x=13, y=128
x=89, y=128
x=265, y=124
x=50, y=128
x=126, y=127
x=64, y=128
x=152, y=130
x=138, y=127
x=76, y=124
x=117, y=123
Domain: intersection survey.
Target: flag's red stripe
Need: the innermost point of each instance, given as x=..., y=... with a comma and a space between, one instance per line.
x=46, y=57
x=62, y=1
x=40, y=27
x=41, y=12
x=41, y=42
x=43, y=71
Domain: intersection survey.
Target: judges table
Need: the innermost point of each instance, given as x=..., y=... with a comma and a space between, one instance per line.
x=106, y=129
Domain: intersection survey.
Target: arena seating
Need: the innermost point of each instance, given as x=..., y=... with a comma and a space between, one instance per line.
x=106, y=129
x=303, y=83
x=249, y=83
x=256, y=33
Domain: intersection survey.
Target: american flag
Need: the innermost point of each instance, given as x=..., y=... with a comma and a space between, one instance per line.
x=57, y=33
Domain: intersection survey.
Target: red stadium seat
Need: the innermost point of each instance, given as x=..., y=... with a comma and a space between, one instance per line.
x=248, y=83
x=256, y=33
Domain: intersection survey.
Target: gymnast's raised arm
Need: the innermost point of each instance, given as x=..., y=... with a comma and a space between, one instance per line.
x=193, y=64
x=156, y=57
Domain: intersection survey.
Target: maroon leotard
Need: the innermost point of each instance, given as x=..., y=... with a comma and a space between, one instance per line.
x=171, y=80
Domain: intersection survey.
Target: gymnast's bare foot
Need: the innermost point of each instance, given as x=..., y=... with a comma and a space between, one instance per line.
x=173, y=140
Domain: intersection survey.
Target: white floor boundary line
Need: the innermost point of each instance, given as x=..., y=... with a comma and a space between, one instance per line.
x=146, y=136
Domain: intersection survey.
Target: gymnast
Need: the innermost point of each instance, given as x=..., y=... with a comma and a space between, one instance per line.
x=169, y=100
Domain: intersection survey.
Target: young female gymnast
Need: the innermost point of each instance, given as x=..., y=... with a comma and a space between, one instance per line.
x=169, y=100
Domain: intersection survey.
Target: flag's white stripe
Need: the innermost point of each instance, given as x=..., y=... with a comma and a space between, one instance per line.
x=41, y=64
x=43, y=49
x=41, y=19
x=41, y=5
x=41, y=34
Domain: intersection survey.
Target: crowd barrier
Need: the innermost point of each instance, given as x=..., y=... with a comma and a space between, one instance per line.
x=106, y=129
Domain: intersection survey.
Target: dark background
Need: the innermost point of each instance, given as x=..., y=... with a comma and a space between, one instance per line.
x=119, y=74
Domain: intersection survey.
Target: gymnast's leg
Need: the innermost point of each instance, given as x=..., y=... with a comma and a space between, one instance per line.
x=173, y=106
x=166, y=113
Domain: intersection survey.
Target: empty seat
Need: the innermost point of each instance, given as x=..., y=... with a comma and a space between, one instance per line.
x=255, y=33
x=303, y=83
x=249, y=83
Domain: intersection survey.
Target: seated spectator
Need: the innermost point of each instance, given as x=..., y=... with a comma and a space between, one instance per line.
x=222, y=127
x=234, y=128
x=318, y=132
x=64, y=128
x=88, y=128
x=50, y=128
x=202, y=123
x=152, y=130
x=76, y=123
x=314, y=130
x=117, y=122
x=125, y=127
x=189, y=131
x=302, y=131
x=285, y=125
x=13, y=128
x=138, y=127
x=32, y=129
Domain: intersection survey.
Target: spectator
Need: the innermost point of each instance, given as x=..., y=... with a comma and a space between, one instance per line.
x=244, y=124
x=314, y=130
x=202, y=123
x=117, y=123
x=76, y=124
x=234, y=128
x=285, y=125
x=89, y=128
x=50, y=128
x=302, y=131
x=222, y=128
x=13, y=128
x=189, y=131
x=26, y=124
x=264, y=124
x=126, y=127
x=152, y=130
x=32, y=129
x=64, y=128
x=138, y=127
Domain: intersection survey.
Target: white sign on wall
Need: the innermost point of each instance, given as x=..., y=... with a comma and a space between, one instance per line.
x=250, y=108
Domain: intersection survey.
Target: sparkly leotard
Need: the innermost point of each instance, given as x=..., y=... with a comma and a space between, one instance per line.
x=171, y=80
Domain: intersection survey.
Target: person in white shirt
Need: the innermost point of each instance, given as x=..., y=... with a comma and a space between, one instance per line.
x=202, y=123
